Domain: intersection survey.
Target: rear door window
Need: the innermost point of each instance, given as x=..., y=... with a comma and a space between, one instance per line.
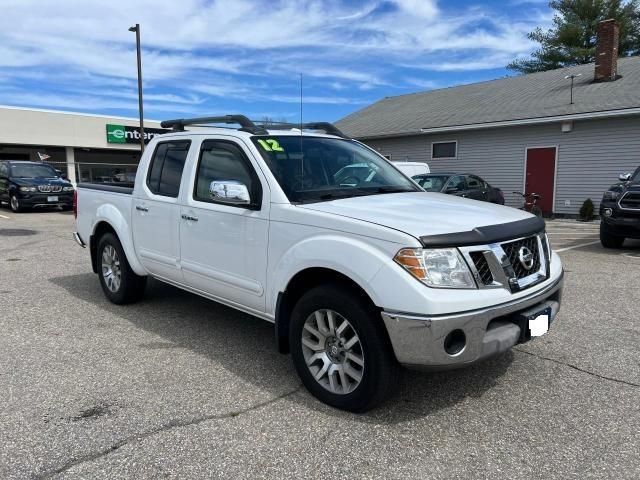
x=167, y=164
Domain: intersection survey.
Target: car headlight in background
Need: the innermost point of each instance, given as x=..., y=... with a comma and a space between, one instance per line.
x=439, y=268
x=68, y=189
x=611, y=195
x=27, y=189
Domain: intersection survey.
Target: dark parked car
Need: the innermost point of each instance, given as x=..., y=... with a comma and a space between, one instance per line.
x=620, y=211
x=462, y=185
x=26, y=185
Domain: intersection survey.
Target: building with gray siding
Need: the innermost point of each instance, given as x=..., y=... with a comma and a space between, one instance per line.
x=520, y=133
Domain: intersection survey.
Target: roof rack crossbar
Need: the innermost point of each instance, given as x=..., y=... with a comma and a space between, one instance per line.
x=245, y=124
x=327, y=127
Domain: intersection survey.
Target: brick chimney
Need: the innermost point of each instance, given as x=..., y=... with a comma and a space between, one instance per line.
x=607, y=51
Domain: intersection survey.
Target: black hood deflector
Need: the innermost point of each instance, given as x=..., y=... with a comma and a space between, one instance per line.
x=486, y=235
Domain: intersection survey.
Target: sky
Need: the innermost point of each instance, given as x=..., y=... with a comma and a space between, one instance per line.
x=211, y=57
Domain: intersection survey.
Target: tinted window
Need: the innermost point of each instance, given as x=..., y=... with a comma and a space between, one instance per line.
x=444, y=150
x=223, y=161
x=457, y=182
x=166, y=168
x=474, y=183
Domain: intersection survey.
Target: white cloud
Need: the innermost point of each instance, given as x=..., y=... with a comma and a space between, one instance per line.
x=209, y=50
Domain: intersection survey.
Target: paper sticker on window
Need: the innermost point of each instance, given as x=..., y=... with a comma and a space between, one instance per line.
x=270, y=145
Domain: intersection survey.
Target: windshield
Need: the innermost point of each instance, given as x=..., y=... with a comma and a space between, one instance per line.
x=636, y=176
x=314, y=169
x=31, y=170
x=431, y=183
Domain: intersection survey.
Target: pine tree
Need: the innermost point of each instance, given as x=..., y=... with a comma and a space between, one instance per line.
x=572, y=39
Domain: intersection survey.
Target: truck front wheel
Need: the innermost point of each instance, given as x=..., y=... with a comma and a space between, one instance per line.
x=119, y=283
x=341, y=350
x=609, y=241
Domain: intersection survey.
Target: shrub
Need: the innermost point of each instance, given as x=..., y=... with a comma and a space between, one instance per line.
x=586, y=210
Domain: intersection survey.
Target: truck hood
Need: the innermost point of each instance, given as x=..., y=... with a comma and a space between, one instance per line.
x=421, y=213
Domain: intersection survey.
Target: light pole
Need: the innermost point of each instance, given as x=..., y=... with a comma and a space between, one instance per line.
x=136, y=29
x=572, y=77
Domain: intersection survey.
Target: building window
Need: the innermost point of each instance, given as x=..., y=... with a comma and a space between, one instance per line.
x=444, y=149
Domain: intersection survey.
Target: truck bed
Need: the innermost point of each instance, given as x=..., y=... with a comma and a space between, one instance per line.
x=108, y=187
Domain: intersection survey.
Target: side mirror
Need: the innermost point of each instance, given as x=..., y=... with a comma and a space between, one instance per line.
x=451, y=190
x=229, y=191
x=625, y=177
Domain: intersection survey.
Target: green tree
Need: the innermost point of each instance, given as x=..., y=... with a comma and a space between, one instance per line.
x=572, y=39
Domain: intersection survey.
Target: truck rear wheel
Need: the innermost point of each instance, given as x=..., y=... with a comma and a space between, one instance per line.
x=340, y=350
x=119, y=283
x=609, y=241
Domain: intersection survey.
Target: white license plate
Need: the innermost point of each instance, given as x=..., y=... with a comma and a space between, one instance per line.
x=539, y=325
x=52, y=199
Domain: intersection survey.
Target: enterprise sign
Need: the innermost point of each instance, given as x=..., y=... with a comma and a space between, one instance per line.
x=126, y=134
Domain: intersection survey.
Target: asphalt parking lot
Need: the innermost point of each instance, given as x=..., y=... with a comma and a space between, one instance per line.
x=180, y=387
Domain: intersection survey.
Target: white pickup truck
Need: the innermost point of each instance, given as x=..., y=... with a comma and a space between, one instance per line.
x=360, y=270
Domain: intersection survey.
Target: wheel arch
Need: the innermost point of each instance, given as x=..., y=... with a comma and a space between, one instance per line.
x=302, y=282
x=111, y=221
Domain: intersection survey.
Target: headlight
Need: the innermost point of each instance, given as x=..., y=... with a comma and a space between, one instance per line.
x=68, y=189
x=610, y=195
x=439, y=268
x=27, y=189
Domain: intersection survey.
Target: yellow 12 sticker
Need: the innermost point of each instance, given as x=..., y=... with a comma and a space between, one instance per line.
x=271, y=145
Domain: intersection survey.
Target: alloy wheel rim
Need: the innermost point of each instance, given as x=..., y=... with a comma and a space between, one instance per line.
x=332, y=351
x=111, y=268
x=14, y=203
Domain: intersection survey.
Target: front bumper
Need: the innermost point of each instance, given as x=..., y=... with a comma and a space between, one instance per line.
x=419, y=341
x=42, y=199
x=622, y=224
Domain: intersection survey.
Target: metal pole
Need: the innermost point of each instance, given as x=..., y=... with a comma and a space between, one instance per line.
x=572, y=77
x=140, y=108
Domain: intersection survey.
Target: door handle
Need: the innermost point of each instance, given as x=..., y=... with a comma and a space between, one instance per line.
x=140, y=208
x=189, y=217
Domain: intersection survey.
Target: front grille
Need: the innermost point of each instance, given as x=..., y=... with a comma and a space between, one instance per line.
x=482, y=267
x=512, y=250
x=631, y=201
x=50, y=188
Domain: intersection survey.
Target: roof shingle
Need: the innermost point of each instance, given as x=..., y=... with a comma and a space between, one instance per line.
x=536, y=95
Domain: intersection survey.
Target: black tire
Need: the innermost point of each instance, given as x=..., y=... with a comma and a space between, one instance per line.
x=379, y=372
x=608, y=240
x=131, y=286
x=14, y=204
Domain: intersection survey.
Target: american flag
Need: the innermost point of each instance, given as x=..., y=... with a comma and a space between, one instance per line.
x=43, y=156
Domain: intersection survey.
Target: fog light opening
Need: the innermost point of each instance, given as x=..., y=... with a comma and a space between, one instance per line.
x=608, y=212
x=455, y=342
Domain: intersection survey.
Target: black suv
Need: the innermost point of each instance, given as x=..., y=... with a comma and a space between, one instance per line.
x=26, y=185
x=620, y=211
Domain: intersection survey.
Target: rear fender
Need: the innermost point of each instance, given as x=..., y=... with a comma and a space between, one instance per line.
x=112, y=216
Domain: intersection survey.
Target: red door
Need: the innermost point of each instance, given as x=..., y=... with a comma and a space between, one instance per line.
x=540, y=176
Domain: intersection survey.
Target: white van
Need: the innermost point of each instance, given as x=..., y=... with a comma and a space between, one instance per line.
x=411, y=169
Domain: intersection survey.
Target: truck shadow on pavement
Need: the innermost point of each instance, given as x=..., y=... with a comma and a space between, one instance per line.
x=245, y=346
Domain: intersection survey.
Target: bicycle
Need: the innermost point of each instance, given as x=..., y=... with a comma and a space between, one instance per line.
x=531, y=203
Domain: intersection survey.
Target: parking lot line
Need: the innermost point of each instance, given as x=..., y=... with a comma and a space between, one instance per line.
x=576, y=246
x=563, y=237
x=4, y=216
